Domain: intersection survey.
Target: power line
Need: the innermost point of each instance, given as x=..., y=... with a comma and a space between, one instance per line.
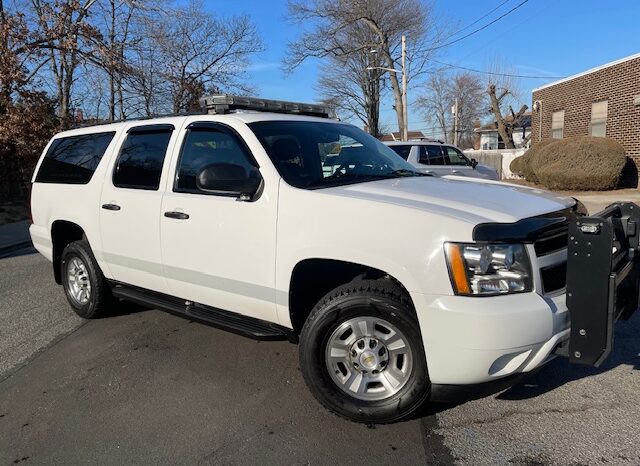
x=478, y=20
x=495, y=74
x=475, y=31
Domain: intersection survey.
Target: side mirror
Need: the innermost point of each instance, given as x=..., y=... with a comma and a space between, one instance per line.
x=474, y=163
x=229, y=179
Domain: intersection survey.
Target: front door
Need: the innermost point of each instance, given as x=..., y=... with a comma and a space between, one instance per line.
x=458, y=163
x=218, y=249
x=130, y=208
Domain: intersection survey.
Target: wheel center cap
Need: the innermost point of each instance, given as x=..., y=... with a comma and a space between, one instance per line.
x=368, y=360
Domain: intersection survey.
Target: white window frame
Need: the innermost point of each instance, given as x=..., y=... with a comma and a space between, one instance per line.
x=599, y=115
x=557, y=124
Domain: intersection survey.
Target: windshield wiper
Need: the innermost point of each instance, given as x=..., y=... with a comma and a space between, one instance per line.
x=348, y=178
x=404, y=172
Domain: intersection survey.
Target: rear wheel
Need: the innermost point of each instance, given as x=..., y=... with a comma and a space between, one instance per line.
x=361, y=353
x=86, y=288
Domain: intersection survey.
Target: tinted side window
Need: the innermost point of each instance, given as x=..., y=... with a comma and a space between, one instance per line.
x=139, y=164
x=455, y=157
x=431, y=155
x=203, y=147
x=73, y=159
x=402, y=151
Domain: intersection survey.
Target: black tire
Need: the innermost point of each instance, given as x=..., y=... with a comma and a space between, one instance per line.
x=374, y=298
x=100, y=298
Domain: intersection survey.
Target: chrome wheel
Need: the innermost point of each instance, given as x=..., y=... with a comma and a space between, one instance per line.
x=78, y=280
x=368, y=358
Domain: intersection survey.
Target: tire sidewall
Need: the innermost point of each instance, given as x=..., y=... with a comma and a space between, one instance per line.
x=321, y=324
x=80, y=250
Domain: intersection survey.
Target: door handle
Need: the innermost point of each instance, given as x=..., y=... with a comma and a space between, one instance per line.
x=176, y=215
x=110, y=206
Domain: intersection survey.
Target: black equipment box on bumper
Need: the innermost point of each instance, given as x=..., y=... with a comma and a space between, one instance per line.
x=602, y=279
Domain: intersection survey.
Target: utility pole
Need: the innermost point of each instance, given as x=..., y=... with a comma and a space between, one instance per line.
x=405, y=118
x=455, y=123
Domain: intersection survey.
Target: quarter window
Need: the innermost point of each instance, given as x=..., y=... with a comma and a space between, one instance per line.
x=205, y=146
x=73, y=159
x=598, y=127
x=402, y=151
x=139, y=164
x=557, y=124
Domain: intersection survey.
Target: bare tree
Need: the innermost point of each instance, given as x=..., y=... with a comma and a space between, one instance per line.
x=67, y=36
x=200, y=51
x=435, y=103
x=328, y=32
x=442, y=90
x=347, y=84
x=507, y=121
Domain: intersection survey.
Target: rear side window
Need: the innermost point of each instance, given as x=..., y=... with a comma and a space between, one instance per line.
x=73, y=159
x=139, y=164
x=402, y=151
x=431, y=155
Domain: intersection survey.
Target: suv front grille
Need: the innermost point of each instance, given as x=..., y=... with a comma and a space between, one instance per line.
x=554, y=277
x=553, y=272
x=551, y=244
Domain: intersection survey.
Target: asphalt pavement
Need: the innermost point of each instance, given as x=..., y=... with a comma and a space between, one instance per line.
x=145, y=387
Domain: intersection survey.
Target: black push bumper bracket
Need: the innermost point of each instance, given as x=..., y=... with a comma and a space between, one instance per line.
x=602, y=279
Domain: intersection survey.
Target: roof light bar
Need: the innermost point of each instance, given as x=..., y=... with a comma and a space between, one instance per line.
x=224, y=103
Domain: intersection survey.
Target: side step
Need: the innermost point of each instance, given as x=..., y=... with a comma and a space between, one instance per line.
x=249, y=327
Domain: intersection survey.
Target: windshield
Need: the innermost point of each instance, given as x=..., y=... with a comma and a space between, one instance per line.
x=310, y=154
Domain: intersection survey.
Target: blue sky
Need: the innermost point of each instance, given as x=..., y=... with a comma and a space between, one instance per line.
x=542, y=38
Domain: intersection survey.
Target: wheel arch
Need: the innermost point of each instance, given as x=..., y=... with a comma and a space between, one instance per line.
x=63, y=233
x=313, y=278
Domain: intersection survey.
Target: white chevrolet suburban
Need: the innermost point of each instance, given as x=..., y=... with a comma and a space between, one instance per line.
x=394, y=283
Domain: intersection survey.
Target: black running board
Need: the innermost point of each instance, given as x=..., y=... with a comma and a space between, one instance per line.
x=225, y=320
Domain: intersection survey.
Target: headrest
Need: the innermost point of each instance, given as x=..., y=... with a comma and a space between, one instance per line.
x=286, y=149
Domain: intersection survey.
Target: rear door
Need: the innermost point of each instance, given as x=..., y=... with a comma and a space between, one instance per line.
x=130, y=207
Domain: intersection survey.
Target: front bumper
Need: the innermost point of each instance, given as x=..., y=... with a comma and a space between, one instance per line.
x=470, y=340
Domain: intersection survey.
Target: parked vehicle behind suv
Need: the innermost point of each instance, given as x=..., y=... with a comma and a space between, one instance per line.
x=289, y=225
x=441, y=159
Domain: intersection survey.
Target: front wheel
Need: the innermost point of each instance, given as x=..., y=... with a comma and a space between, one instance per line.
x=361, y=353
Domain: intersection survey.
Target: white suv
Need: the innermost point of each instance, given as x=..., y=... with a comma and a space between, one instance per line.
x=441, y=159
x=394, y=283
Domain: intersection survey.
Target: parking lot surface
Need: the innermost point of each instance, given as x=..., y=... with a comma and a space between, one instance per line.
x=146, y=387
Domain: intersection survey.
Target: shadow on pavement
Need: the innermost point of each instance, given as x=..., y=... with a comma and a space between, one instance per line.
x=23, y=251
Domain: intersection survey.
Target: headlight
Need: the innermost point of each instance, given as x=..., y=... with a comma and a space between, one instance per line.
x=488, y=269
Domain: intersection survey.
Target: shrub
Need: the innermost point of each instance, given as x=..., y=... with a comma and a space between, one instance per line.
x=581, y=163
x=517, y=165
x=521, y=166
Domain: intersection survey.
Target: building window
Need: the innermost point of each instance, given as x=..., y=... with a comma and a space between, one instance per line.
x=557, y=124
x=598, y=127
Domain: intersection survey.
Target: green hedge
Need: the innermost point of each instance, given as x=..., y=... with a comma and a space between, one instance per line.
x=582, y=163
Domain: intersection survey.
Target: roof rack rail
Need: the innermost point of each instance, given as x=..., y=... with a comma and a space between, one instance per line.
x=225, y=103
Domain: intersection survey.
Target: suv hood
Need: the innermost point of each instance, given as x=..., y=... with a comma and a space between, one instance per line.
x=466, y=200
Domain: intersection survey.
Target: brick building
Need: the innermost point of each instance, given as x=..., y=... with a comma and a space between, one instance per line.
x=603, y=101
